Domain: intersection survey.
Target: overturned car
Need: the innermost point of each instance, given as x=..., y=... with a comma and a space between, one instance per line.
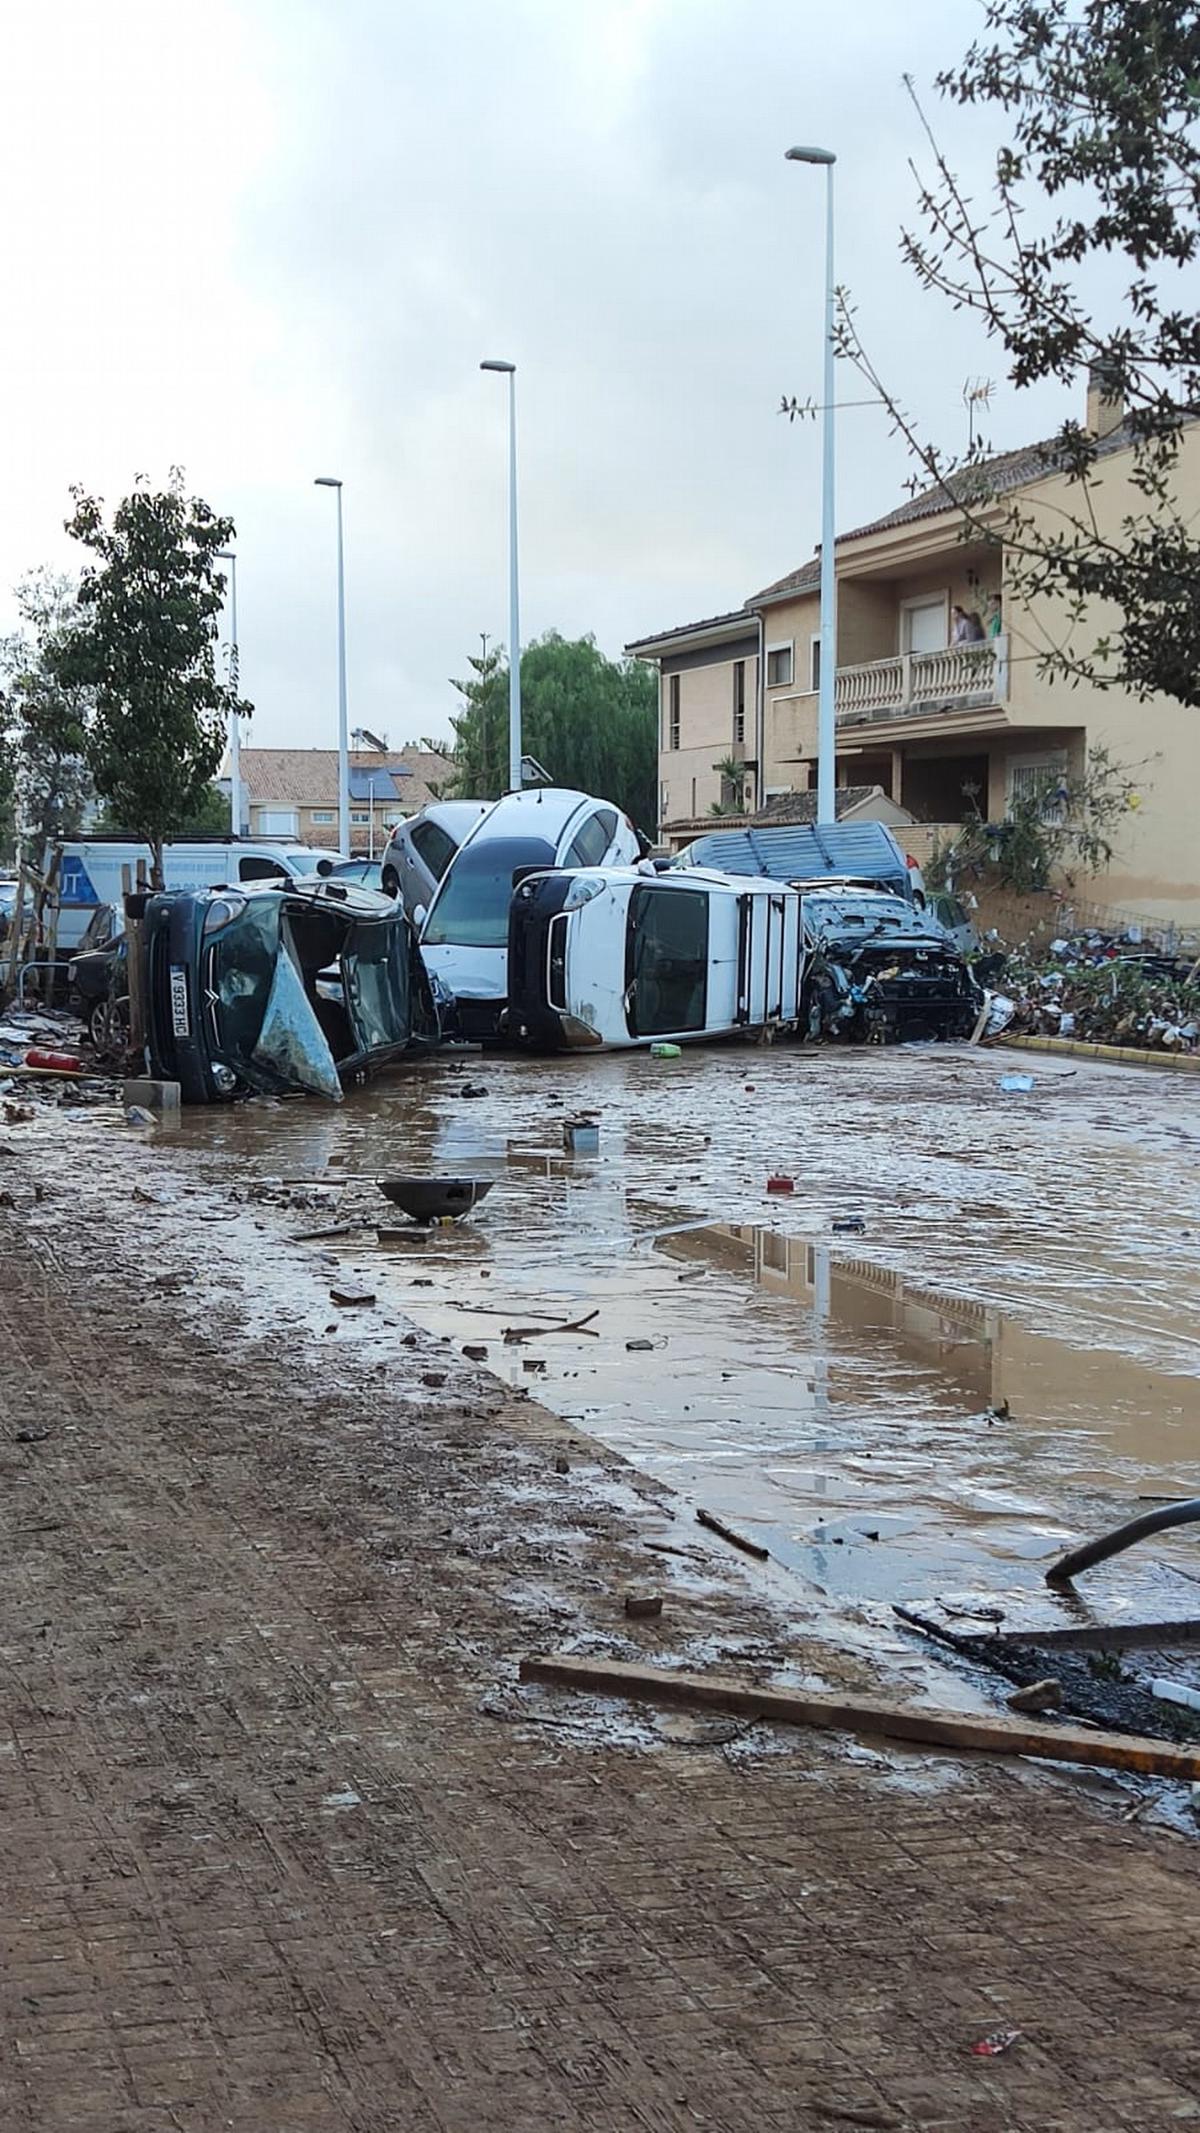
x=269, y=990
x=879, y=972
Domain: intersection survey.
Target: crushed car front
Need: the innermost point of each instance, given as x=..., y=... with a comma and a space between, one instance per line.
x=879, y=972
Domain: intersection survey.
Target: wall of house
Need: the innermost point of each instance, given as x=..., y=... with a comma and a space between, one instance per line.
x=689, y=783
x=1156, y=864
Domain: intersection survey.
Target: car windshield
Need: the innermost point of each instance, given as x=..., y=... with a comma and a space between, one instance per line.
x=303, y=860
x=241, y=971
x=472, y=905
x=666, y=961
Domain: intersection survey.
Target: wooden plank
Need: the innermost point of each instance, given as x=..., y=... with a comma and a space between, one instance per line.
x=730, y=1534
x=866, y=1714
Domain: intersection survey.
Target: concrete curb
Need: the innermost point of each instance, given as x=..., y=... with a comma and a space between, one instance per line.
x=1115, y=1054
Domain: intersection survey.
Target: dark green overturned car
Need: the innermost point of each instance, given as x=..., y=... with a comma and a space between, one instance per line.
x=271, y=990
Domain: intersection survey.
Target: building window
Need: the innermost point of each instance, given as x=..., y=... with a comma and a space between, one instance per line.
x=673, y=711
x=739, y=702
x=359, y=820
x=277, y=822
x=779, y=666
x=814, y=664
x=1040, y=777
x=322, y=814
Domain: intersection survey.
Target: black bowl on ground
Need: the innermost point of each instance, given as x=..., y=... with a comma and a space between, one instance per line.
x=434, y=1199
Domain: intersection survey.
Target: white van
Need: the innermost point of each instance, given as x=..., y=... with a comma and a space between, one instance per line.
x=90, y=873
x=464, y=933
x=620, y=957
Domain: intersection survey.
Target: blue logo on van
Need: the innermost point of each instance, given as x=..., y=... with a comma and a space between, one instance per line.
x=74, y=882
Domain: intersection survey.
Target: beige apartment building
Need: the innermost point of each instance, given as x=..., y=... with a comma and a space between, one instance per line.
x=293, y=792
x=936, y=726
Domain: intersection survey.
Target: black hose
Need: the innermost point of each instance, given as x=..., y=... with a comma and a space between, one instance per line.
x=1098, y=1551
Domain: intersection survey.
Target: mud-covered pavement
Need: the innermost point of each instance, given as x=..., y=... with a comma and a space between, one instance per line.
x=285, y=1846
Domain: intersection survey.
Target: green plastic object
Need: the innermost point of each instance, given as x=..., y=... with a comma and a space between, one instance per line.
x=664, y=1051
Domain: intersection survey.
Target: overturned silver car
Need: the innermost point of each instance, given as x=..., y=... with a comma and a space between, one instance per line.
x=879, y=972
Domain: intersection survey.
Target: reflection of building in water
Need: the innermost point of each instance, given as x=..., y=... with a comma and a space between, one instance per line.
x=959, y=1336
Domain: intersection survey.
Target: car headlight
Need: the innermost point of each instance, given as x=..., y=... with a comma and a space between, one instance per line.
x=582, y=890
x=224, y=1078
x=221, y=910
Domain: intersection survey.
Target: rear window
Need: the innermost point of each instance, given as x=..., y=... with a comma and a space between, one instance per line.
x=591, y=841
x=432, y=845
x=471, y=910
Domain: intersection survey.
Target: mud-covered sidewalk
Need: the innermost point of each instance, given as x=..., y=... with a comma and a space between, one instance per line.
x=285, y=1848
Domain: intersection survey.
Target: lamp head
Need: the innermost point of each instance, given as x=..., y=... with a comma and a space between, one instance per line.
x=809, y=155
x=327, y=481
x=495, y=364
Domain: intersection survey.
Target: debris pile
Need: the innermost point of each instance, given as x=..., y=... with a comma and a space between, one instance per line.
x=1101, y=989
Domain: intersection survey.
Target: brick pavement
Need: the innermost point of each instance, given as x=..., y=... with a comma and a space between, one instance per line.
x=283, y=1851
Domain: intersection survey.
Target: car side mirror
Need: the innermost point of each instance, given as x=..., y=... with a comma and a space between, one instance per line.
x=420, y=915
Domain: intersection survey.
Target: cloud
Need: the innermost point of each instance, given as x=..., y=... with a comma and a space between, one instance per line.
x=269, y=240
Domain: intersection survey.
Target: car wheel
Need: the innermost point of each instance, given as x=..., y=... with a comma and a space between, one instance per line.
x=391, y=882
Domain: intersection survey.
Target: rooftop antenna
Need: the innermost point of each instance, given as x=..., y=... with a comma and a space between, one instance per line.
x=976, y=393
x=365, y=738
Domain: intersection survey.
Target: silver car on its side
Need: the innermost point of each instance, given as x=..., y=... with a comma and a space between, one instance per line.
x=421, y=849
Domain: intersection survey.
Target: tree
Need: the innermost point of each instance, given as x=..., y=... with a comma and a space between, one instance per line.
x=592, y=722
x=144, y=642
x=733, y=787
x=49, y=717
x=1067, y=821
x=209, y=818
x=1102, y=99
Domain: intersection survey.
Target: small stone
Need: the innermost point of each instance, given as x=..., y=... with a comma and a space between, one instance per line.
x=1039, y=1696
x=643, y=1606
x=348, y=1296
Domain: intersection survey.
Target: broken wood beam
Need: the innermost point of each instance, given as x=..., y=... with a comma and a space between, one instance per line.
x=872, y=1715
x=731, y=1534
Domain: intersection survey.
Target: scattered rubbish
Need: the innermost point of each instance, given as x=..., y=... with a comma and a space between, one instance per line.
x=137, y=1115
x=562, y=1464
x=1016, y=1084
x=1039, y=1696
x=31, y=1436
x=581, y=1135
x=778, y=1182
x=476, y=1351
x=665, y=1051
x=435, y=1379
x=848, y=1226
x=534, y=1363
x=869, y=1715
x=55, y=1062
x=990, y=2047
x=643, y=1606
x=1175, y=1692
x=639, y=1347
x=472, y=1088
x=317, y=1236
x=432, y=1199
x=152, y=1095
x=727, y=1533
x=350, y=1295
x=513, y=1334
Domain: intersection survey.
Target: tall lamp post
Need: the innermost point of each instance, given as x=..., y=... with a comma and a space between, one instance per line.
x=332, y=481
x=509, y=370
x=235, y=736
x=826, y=732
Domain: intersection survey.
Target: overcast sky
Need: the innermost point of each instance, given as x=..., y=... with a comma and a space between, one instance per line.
x=270, y=239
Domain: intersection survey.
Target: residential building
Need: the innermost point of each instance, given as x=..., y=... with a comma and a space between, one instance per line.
x=942, y=727
x=293, y=792
x=708, y=699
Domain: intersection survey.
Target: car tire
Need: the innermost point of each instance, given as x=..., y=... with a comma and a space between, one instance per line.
x=391, y=882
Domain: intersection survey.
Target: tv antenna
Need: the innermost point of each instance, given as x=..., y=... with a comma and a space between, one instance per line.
x=976, y=393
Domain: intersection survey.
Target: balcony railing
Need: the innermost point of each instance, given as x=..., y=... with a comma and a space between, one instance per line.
x=917, y=682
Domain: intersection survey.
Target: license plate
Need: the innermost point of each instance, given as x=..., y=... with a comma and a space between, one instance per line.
x=180, y=1022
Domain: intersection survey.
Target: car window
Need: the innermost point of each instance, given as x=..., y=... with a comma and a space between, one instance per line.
x=434, y=846
x=255, y=869
x=376, y=968
x=472, y=906
x=592, y=839
x=666, y=961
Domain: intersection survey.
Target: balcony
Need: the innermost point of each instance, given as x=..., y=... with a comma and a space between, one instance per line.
x=915, y=683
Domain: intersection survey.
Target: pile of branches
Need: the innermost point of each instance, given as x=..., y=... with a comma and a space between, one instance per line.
x=1105, y=991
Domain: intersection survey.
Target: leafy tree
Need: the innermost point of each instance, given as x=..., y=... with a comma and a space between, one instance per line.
x=209, y=818
x=1066, y=822
x=733, y=787
x=49, y=717
x=1101, y=100
x=592, y=722
x=144, y=643
x=8, y=784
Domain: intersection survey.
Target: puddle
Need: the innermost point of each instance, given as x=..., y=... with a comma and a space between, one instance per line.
x=1002, y=1362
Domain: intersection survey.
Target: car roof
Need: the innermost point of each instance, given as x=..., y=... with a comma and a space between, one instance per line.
x=454, y=815
x=543, y=811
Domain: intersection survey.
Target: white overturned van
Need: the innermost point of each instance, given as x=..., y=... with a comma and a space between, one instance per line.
x=91, y=870
x=614, y=957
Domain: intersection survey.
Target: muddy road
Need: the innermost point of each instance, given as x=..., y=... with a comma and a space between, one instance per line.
x=1003, y=1357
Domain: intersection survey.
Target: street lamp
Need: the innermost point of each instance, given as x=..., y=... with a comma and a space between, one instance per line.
x=826, y=733
x=332, y=481
x=509, y=370
x=235, y=737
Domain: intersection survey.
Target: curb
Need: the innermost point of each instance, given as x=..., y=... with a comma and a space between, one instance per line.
x=1115, y=1054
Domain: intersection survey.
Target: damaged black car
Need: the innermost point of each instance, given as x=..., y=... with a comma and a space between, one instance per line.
x=879, y=972
x=270, y=991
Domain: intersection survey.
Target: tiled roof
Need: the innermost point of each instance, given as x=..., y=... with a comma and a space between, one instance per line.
x=691, y=629
x=797, y=807
x=308, y=777
x=991, y=477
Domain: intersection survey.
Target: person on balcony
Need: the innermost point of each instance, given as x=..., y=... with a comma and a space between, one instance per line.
x=995, y=617
x=968, y=629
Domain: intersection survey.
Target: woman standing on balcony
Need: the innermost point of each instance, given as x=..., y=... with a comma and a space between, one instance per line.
x=968, y=629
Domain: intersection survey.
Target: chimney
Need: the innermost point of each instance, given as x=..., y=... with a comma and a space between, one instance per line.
x=1105, y=401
